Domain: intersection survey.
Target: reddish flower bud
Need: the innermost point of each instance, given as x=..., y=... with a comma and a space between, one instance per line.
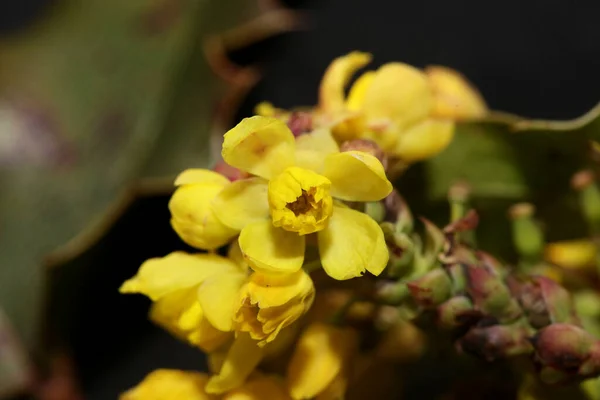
x=431, y=289
x=231, y=173
x=300, y=122
x=567, y=349
x=490, y=295
x=457, y=311
x=497, y=341
x=543, y=301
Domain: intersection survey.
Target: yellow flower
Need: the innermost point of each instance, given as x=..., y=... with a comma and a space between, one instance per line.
x=172, y=283
x=165, y=384
x=407, y=112
x=191, y=214
x=261, y=387
x=320, y=361
x=292, y=195
x=270, y=303
x=572, y=254
x=242, y=357
x=453, y=96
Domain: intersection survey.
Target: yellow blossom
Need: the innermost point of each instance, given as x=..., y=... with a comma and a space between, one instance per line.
x=172, y=283
x=409, y=113
x=242, y=357
x=292, y=196
x=204, y=298
x=319, y=365
x=573, y=254
x=165, y=384
x=453, y=96
x=191, y=214
x=269, y=303
x=261, y=387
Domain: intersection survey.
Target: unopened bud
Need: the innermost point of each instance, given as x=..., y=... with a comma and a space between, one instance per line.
x=376, y=210
x=231, y=173
x=397, y=212
x=300, y=122
x=543, y=301
x=490, y=295
x=589, y=198
x=455, y=312
x=431, y=289
x=401, y=250
x=391, y=293
x=568, y=350
x=367, y=146
x=526, y=232
x=496, y=342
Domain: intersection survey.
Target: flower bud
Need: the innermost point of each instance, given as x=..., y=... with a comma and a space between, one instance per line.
x=376, y=210
x=397, y=212
x=431, y=289
x=589, y=198
x=390, y=292
x=299, y=122
x=455, y=312
x=567, y=349
x=229, y=172
x=490, y=295
x=543, y=301
x=496, y=342
x=527, y=234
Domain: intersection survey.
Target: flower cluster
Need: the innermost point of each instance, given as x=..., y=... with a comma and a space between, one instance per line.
x=301, y=200
x=296, y=204
x=409, y=113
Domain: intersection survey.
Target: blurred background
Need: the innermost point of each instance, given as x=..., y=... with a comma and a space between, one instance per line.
x=102, y=102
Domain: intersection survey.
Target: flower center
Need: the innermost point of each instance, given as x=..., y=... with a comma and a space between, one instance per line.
x=299, y=200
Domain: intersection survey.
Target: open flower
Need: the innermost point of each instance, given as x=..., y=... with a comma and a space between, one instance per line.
x=320, y=361
x=167, y=384
x=191, y=214
x=292, y=195
x=409, y=113
x=172, y=284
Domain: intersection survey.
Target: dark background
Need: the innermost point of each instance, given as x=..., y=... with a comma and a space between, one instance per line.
x=535, y=58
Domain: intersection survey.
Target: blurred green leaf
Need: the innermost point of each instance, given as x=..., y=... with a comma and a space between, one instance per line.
x=94, y=97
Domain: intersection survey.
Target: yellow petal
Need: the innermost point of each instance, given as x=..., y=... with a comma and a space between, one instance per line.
x=157, y=277
x=268, y=387
x=332, y=97
x=318, y=358
x=259, y=145
x=454, y=96
x=336, y=390
x=358, y=91
x=234, y=253
x=424, y=140
x=197, y=175
x=270, y=249
x=352, y=243
x=243, y=356
x=219, y=297
x=193, y=219
x=180, y=313
x=269, y=290
x=165, y=384
x=312, y=148
x=242, y=202
x=356, y=176
x=572, y=253
x=400, y=93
